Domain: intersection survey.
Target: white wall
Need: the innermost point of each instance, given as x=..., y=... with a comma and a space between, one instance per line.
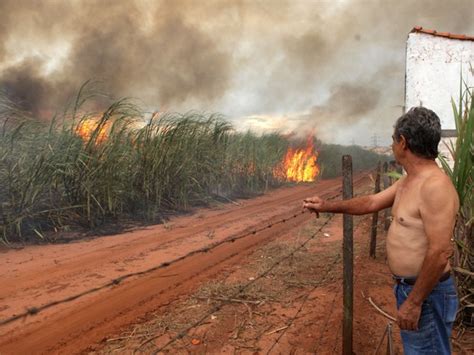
x=433, y=69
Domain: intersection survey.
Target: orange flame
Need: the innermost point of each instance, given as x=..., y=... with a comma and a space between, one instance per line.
x=300, y=164
x=87, y=128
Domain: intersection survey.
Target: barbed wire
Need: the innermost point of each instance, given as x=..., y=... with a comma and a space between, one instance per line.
x=236, y=294
x=292, y=319
x=302, y=305
x=30, y=311
x=216, y=308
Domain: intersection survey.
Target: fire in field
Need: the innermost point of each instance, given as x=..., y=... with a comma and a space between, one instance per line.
x=300, y=164
x=88, y=127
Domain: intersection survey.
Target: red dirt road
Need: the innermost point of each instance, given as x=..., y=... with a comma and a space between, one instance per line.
x=37, y=275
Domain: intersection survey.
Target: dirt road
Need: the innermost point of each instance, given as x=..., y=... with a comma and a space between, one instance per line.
x=37, y=275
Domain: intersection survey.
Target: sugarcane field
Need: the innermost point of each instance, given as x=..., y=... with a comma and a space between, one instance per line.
x=236, y=177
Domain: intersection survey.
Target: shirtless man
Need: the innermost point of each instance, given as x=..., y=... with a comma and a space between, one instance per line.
x=424, y=207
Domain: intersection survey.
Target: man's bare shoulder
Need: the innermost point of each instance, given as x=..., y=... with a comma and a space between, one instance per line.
x=438, y=189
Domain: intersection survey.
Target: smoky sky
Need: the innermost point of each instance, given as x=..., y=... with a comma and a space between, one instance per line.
x=133, y=48
x=318, y=63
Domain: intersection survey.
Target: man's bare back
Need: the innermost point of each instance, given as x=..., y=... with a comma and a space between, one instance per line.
x=407, y=242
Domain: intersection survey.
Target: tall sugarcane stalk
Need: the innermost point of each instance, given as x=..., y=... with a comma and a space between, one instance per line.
x=461, y=174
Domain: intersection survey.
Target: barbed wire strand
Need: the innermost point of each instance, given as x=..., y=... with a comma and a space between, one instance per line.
x=184, y=332
x=223, y=303
x=292, y=319
x=302, y=305
x=242, y=288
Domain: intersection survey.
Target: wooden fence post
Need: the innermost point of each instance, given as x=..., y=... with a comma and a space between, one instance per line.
x=348, y=258
x=386, y=185
x=375, y=216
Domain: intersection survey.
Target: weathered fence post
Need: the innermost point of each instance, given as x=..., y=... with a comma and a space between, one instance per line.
x=348, y=257
x=375, y=216
x=386, y=185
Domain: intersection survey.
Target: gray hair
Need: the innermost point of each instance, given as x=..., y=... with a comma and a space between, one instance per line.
x=421, y=128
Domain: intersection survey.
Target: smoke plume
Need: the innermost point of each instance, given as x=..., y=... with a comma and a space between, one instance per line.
x=134, y=48
x=339, y=62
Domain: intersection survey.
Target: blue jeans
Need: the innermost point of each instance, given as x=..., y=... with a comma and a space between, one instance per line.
x=436, y=320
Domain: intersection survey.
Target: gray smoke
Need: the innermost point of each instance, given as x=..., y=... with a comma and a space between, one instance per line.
x=134, y=50
x=339, y=61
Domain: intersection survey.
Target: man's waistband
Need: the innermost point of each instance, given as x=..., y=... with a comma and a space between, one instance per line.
x=411, y=280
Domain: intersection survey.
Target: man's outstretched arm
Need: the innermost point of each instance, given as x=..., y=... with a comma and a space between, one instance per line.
x=357, y=205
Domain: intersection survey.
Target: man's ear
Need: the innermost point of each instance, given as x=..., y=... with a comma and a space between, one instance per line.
x=403, y=142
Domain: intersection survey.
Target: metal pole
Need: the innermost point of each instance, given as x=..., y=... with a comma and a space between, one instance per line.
x=389, y=339
x=386, y=185
x=375, y=216
x=348, y=257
